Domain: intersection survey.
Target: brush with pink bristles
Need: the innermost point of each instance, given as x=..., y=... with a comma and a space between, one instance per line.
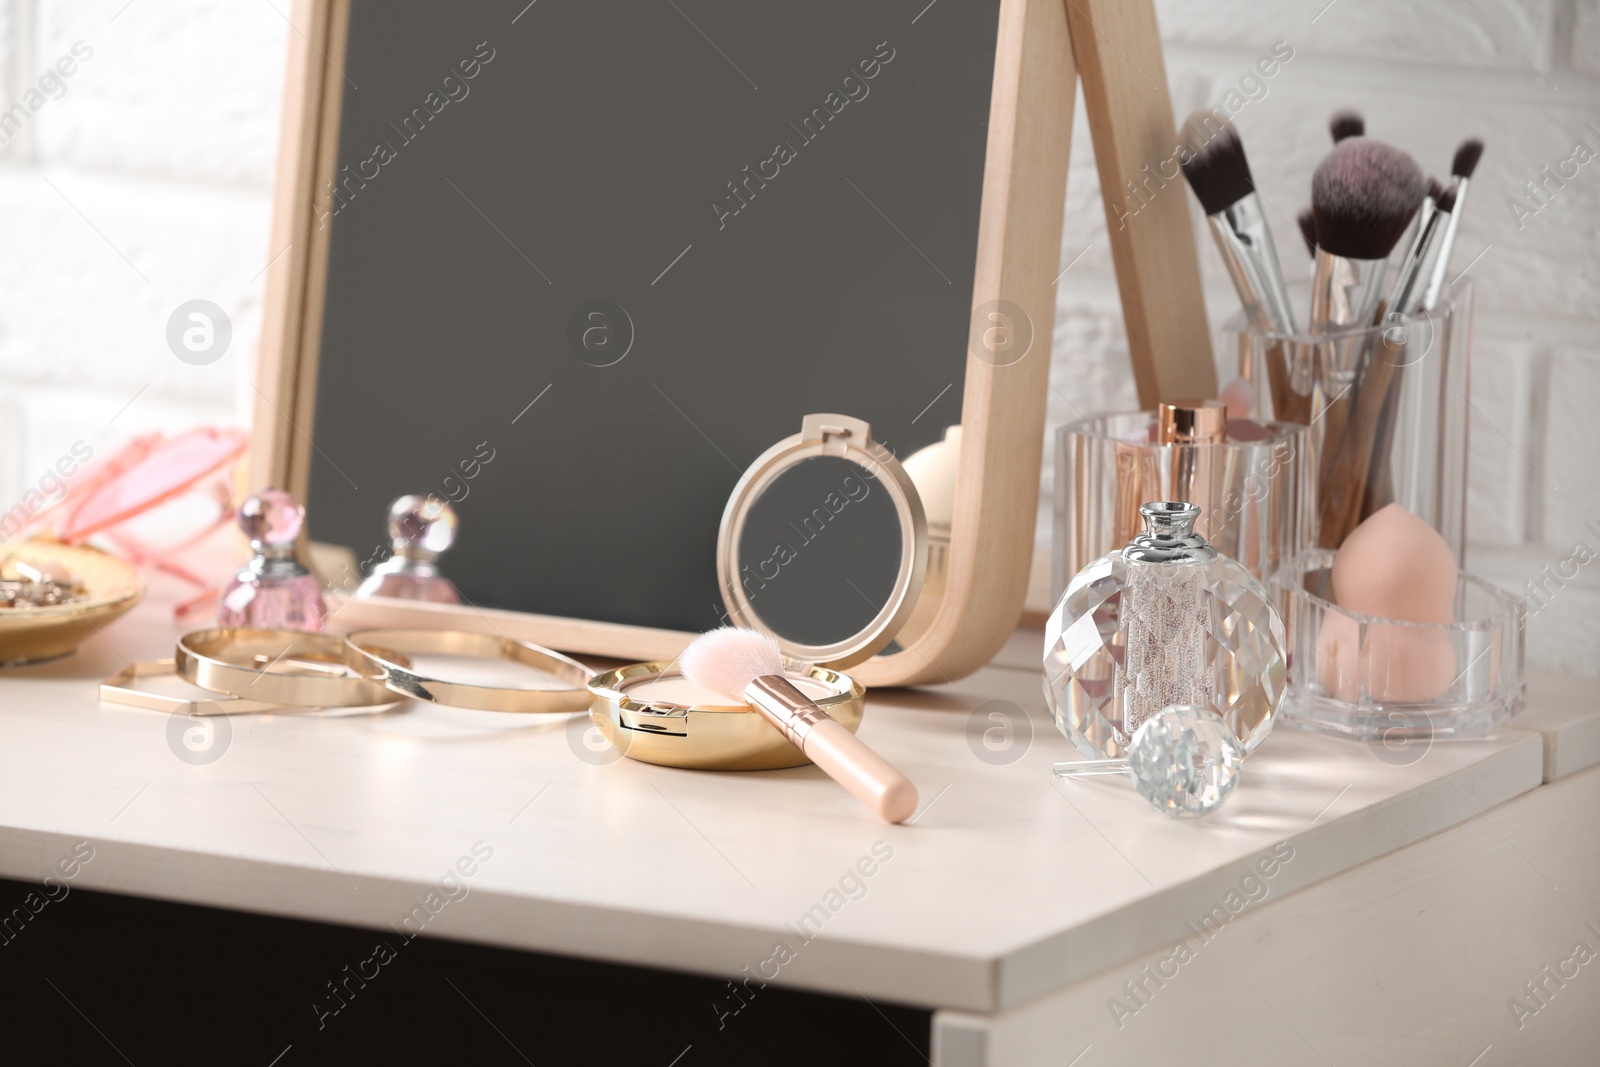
x=747, y=666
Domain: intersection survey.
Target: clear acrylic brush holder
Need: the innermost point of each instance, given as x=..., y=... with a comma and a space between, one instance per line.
x=1385, y=680
x=1388, y=424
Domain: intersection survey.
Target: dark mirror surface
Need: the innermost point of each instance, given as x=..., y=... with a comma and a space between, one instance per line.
x=588, y=261
x=820, y=551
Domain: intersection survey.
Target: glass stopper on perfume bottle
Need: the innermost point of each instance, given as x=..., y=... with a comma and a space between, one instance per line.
x=271, y=517
x=419, y=524
x=274, y=590
x=420, y=527
x=1184, y=761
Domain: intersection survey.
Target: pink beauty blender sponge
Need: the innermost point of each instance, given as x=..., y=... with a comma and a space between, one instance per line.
x=1392, y=566
x=1395, y=566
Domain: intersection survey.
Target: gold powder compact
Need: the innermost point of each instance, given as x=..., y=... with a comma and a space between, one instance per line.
x=824, y=548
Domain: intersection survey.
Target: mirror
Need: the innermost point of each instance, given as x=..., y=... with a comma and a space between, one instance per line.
x=824, y=544
x=579, y=321
x=820, y=553
x=573, y=267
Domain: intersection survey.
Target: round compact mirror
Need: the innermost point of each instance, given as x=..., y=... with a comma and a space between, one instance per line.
x=824, y=544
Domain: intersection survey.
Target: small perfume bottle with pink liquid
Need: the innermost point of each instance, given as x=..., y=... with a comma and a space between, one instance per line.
x=420, y=527
x=274, y=590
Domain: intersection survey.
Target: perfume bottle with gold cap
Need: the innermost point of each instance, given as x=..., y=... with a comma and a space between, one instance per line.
x=1187, y=473
x=1254, y=482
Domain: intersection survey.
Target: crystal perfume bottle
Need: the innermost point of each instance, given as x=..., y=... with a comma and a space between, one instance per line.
x=420, y=527
x=274, y=590
x=1166, y=620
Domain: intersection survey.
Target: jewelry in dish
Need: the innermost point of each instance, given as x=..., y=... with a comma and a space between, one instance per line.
x=44, y=613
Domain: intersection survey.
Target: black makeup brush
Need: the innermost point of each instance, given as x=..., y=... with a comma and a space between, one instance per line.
x=1308, y=230
x=1215, y=165
x=1465, y=162
x=1219, y=174
x=1345, y=124
x=1363, y=196
x=1407, y=299
x=1417, y=265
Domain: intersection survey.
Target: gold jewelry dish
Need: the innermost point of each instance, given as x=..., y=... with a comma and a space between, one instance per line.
x=238, y=662
x=104, y=588
x=121, y=688
x=385, y=653
x=716, y=737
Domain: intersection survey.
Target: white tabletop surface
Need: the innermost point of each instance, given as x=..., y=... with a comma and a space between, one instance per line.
x=1007, y=884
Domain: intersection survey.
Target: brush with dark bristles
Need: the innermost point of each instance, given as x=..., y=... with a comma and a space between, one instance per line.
x=1360, y=480
x=1363, y=196
x=1219, y=174
x=1346, y=124
x=1215, y=165
x=1308, y=230
x=1407, y=298
x=1465, y=162
x=1417, y=265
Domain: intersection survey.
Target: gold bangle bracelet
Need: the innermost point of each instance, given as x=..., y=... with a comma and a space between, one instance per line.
x=238, y=661
x=386, y=652
x=121, y=688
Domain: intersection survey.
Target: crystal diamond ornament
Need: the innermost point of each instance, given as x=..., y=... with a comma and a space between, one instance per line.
x=1166, y=620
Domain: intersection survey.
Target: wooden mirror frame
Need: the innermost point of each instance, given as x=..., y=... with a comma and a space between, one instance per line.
x=1003, y=407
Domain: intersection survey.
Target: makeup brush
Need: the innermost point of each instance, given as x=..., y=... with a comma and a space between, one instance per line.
x=1346, y=123
x=1361, y=458
x=747, y=666
x=1215, y=165
x=1416, y=266
x=1308, y=230
x=1363, y=196
x=1406, y=298
x=1219, y=174
x=1465, y=162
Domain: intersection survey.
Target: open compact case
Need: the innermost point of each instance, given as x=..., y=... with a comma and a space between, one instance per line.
x=823, y=547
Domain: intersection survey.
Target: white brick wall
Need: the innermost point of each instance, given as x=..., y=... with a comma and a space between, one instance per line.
x=142, y=180
x=148, y=182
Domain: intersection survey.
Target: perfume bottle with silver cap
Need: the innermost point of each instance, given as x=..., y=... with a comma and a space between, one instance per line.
x=1166, y=620
x=420, y=527
x=274, y=591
